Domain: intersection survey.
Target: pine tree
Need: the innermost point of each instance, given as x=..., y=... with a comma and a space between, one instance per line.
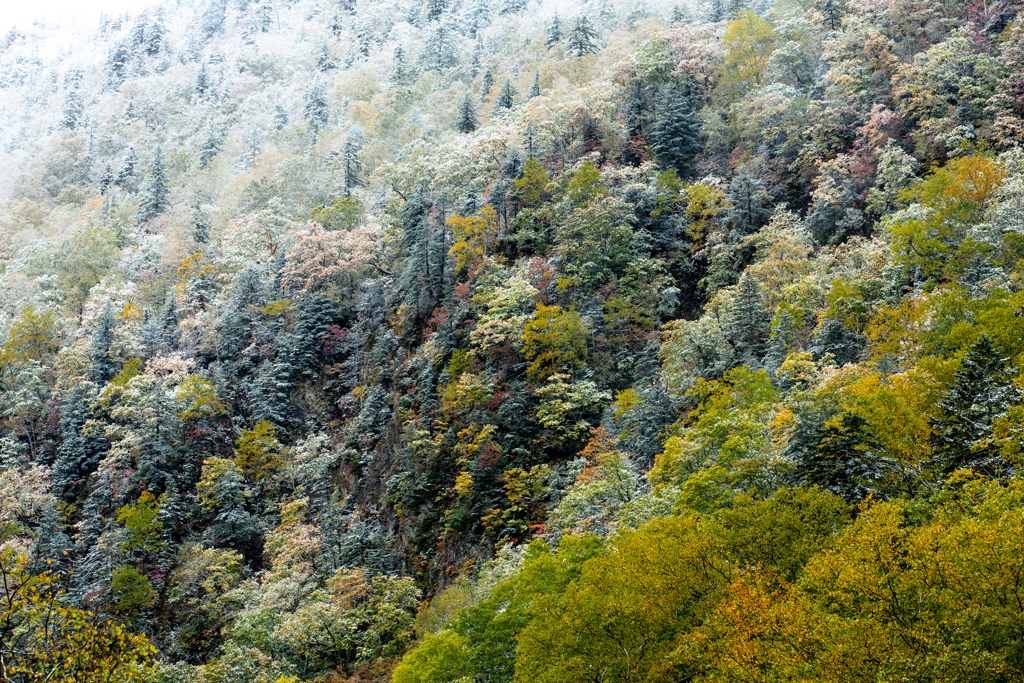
x=506, y=97
x=675, y=131
x=315, y=111
x=467, y=122
x=982, y=391
x=748, y=322
x=582, y=35
x=154, y=201
x=280, y=117
x=101, y=365
x=554, y=33
x=535, y=88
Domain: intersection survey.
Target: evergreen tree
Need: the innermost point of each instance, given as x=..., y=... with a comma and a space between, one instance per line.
x=315, y=111
x=402, y=73
x=714, y=11
x=352, y=167
x=535, y=88
x=200, y=228
x=554, y=33
x=675, y=131
x=213, y=18
x=476, y=17
x=202, y=86
x=106, y=180
x=280, y=117
x=636, y=114
x=169, y=325
x=982, y=391
x=440, y=51
x=512, y=7
x=324, y=63
x=435, y=8
x=748, y=322
x=476, y=61
x=211, y=145
x=582, y=35
x=418, y=271
x=467, y=122
x=154, y=200
x=127, y=170
x=73, y=110
x=79, y=453
x=832, y=337
x=749, y=203
x=831, y=13
x=506, y=96
x=101, y=365
x=486, y=85
x=531, y=142
x=781, y=341
x=840, y=456
x=117, y=65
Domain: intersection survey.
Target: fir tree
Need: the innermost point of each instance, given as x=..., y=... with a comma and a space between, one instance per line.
x=211, y=145
x=535, y=88
x=831, y=13
x=106, y=180
x=554, y=33
x=840, y=456
x=280, y=117
x=675, y=131
x=781, y=341
x=79, y=453
x=486, y=85
x=200, y=228
x=440, y=51
x=315, y=111
x=506, y=96
x=748, y=322
x=982, y=391
x=202, y=85
x=213, y=18
x=636, y=114
x=352, y=166
x=832, y=337
x=582, y=35
x=154, y=200
x=127, y=170
x=324, y=63
x=402, y=73
x=73, y=110
x=512, y=7
x=749, y=204
x=435, y=8
x=101, y=365
x=467, y=122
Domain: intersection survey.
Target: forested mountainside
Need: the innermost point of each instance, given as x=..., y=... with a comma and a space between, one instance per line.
x=496, y=340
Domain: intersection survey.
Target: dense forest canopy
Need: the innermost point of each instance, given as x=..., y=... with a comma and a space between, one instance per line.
x=510, y=340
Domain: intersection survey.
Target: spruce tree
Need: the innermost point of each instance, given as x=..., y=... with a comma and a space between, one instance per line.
x=467, y=122
x=582, y=35
x=675, y=131
x=506, y=97
x=352, y=166
x=79, y=453
x=535, y=88
x=554, y=33
x=315, y=111
x=982, y=391
x=435, y=8
x=324, y=63
x=154, y=200
x=106, y=180
x=832, y=337
x=636, y=113
x=200, y=228
x=440, y=51
x=831, y=13
x=127, y=170
x=512, y=7
x=101, y=365
x=748, y=323
x=280, y=117
x=73, y=109
x=840, y=456
x=749, y=203
x=486, y=85
x=781, y=341
x=213, y=140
